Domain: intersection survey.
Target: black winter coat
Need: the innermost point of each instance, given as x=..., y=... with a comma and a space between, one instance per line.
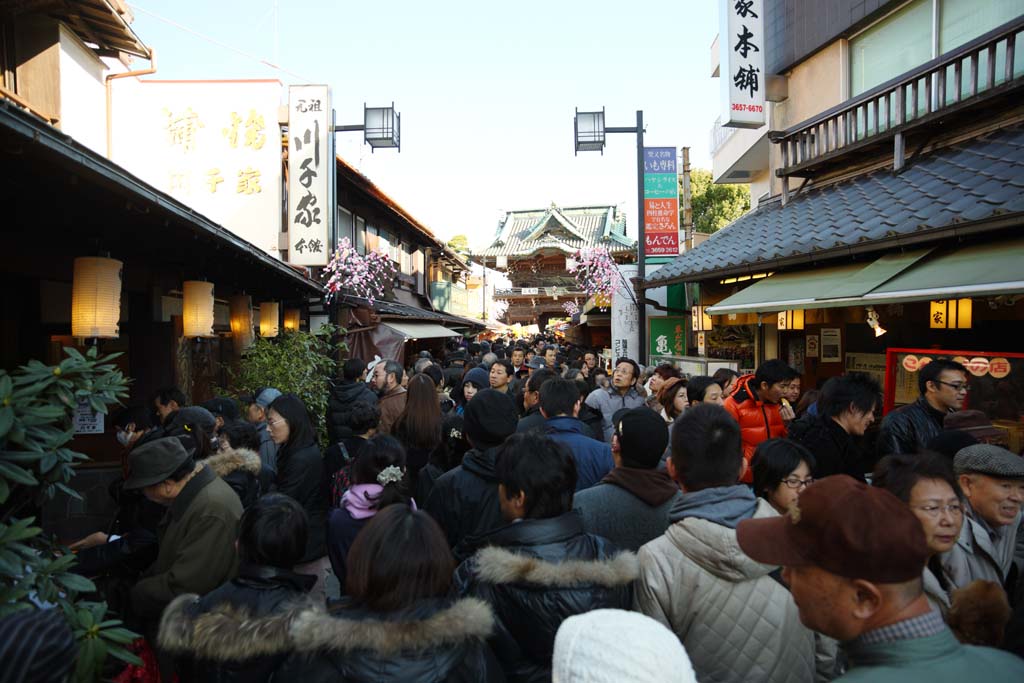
x=435, y=641
x=535, y=574
x=238, y=632
x=343, y=394
x=464, y=501
x=835, y=451
x=240, y=469
x=301, y=475
x=534, y=421
x=908, y=429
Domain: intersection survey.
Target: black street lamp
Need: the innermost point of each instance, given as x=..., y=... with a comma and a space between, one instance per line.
x=590, y=133
x=381, y=127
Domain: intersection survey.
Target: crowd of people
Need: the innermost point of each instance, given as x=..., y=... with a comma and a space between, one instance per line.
x=518, y=511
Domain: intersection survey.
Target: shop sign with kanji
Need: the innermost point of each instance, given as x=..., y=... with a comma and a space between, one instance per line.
x=667, y=335
x=661, y=202
x=310, y=174
x=741, y=67
x=212, y=145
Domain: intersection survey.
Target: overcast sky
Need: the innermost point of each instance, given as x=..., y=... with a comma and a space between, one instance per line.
x=486, y=91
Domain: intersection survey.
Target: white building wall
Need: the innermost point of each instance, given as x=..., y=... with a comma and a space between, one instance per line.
x=82, y=93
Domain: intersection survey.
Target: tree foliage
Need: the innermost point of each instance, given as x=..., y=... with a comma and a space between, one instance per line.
x=459, y=244
x=37, y=404
x=714, y=205
x=296, y=362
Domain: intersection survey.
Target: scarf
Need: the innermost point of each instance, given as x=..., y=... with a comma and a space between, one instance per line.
x=651, y=486
x=724, y=505
x=361, y=500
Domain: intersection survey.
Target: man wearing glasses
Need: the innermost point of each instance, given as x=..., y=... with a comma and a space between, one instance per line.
x=943, y=387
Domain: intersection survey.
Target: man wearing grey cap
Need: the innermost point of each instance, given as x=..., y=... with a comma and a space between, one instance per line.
x=992, y=479
x=259, y=401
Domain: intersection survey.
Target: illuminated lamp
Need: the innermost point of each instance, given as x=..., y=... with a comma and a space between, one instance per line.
x=291, y=319
x=96, y=298
x=269, y=319
x=197, y=308
x=241, y=321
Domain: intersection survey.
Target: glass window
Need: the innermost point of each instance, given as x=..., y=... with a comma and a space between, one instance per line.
x=961, y=21
x=895, y=45
x=360, y=236
x=345, y=225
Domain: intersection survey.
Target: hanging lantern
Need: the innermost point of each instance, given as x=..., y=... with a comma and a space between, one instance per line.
x=197, y=308
x=291, y=319
x=791, y=320
x=951, y=314
x=241, y=321
x=96, y=298
x=269, y=319
x=701, y=319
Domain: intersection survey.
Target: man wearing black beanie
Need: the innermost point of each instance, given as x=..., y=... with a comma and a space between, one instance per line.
x=464, y=501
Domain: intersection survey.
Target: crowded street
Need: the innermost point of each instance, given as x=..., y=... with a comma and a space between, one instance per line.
x=739, y=399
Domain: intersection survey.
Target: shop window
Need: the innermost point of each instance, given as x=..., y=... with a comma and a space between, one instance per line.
x=360, y=235
x=345, y=225
x=961, y=21
x=893, y=46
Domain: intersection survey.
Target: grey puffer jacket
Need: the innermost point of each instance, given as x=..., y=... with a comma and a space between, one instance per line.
x=738, y=624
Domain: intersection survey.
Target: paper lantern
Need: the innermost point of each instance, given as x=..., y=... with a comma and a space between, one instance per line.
x=269, y=319
x=96, y=298
x=197, y=308
x=791, y=320
x=241, y=321
x=291, y=319
x=951, y=314
x=701, y=319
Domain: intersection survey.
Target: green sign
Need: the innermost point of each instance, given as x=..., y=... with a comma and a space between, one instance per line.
x=667, y=335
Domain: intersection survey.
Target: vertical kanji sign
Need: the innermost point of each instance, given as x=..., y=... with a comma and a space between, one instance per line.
x=741, y=69
x=661, y=202
x=310, y=174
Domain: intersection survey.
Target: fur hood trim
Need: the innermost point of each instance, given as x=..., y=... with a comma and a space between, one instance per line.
x=231, y=460
x=226, y=633
x=465, y=619
x=497, y=565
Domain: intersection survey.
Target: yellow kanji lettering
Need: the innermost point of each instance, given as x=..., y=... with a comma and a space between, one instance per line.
x=254, y=126
x=182, y=128
x=248, y=181
x=213, y=179
x=231, y=132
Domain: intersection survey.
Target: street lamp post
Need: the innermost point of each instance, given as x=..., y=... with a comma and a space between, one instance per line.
x=381, y=127
x=590, y=137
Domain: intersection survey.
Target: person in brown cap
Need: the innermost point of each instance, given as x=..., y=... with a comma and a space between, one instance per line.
x=853, y=556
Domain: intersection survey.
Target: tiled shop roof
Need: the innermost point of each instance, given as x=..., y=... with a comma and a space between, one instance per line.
x=977, y=181
x=524, y=232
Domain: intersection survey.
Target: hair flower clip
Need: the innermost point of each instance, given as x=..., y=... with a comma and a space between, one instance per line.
x=390, y=475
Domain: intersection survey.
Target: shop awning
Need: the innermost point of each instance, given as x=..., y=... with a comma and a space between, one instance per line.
x=918, y=275
x=420, y=330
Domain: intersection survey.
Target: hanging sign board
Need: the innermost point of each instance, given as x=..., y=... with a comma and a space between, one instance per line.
x=741, y=67
x=311, y=169
x=661, y=202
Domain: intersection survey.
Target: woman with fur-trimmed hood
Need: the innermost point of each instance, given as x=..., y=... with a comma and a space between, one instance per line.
x=541, y=568
x=398, y=621
x=241, y=630
x=238, y=461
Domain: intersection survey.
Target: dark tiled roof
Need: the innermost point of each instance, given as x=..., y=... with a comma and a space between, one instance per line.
x=524, y=232
x=400, y=310
x=978, y=180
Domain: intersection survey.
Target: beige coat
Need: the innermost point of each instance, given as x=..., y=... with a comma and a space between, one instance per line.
x=737, y=623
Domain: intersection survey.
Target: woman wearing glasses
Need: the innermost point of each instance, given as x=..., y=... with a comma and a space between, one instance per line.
x=782, y=469
x=927, y=484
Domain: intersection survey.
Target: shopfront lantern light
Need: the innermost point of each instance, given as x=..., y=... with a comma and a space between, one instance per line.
x=951, y=314
x=791, y=320
x=269, y=315
x=197, y=308
x=96, y=298
x=241, y=321
x=382, y=127
x=590, y=132
x=291, y=319
x=701, y=319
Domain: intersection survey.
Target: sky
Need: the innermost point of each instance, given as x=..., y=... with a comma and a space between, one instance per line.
x=486, y=91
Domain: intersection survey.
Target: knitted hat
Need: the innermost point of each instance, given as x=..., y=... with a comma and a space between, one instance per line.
x=617, y=646
x=478, y=377
x=36, y=646
x=490, y=418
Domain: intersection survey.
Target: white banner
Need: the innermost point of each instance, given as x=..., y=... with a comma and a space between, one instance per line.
x=741, y=68
x=625, y=318
x=310, y=174
x=213, y=145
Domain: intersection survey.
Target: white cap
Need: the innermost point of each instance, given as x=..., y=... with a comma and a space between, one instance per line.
x=611, y=645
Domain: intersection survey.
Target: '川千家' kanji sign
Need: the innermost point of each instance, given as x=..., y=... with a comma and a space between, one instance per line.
x=310, y=174
x=741, y=65
x=661, y=202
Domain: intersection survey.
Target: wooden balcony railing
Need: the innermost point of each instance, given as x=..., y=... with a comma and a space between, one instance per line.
x=514, y=292
x=980, y=71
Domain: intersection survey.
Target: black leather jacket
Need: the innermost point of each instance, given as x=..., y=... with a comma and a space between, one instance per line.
x=435, y=640
x=301, y=475
x=835, y=451
x=238, y=633
x=536, y=573
x=908, y=429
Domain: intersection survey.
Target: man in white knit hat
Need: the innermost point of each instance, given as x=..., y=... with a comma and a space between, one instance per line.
x=618, y=647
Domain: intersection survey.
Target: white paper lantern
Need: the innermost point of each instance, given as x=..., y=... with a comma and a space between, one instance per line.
x=292, y=319
x=96, y=298
x=241, y=321
x=269, y=319
x=197, y=308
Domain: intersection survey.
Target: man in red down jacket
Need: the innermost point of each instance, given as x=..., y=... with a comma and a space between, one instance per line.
x=755, y=405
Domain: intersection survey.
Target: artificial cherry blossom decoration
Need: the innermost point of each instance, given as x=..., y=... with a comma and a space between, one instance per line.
x=571, y=308
x=365, y=276
x=596, y=272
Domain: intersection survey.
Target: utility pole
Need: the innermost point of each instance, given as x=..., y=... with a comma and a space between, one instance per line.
x=686, y=242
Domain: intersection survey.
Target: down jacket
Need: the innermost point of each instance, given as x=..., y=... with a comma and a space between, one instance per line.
x=343, y=393
x=240, y=469
x=436, y=640
x=737, y=623
x=759, y=421
x=301, y=475
x=464, y=501
x=835, y=451
x=237, y=633
x=536, y=573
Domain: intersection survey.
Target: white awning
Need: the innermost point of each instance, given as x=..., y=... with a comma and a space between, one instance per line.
x=420, y=330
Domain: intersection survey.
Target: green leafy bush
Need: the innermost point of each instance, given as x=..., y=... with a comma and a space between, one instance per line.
x=301, y=363
x=37, y=403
